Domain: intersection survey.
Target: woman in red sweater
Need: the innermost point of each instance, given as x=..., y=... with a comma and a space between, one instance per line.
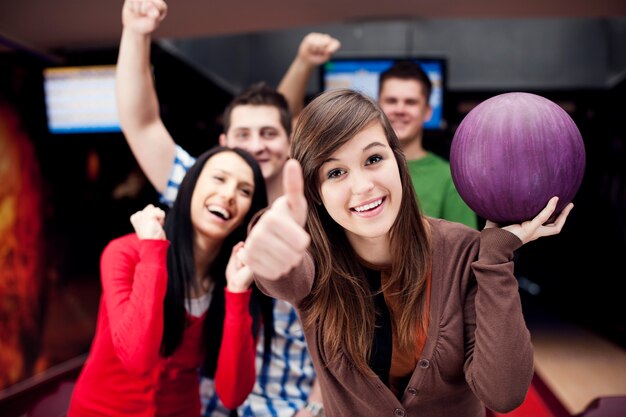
x=172, y=301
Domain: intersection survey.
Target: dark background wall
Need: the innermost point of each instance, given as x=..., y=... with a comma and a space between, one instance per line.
x=483, y=54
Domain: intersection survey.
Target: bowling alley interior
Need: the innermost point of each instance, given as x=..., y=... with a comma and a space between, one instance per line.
x=66, y=191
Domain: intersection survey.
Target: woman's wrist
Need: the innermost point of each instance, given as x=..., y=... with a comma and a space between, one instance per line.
x=237, y=288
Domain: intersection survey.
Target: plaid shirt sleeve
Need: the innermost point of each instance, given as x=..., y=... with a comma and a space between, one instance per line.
x=182, y=162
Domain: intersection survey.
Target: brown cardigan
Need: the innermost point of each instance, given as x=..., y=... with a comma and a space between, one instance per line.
x=478, y=351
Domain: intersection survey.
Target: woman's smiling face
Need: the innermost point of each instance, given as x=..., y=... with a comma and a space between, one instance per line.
x=222, y=196
x=360, y=185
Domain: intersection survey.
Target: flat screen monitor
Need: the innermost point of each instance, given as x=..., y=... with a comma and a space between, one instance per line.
x=81, y=99
x=362, y=74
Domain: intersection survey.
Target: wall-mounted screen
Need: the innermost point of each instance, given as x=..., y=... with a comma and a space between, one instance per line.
x=81, y=99
x=362, y=74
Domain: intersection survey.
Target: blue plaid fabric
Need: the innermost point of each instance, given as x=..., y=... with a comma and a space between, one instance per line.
x=283, y=384
x=182, y=162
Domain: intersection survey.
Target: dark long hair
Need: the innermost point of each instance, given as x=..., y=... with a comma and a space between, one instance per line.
x=181, y=265
x=341, y=298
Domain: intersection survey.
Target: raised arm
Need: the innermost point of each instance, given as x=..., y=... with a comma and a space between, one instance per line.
x=314, y=50
x=137, y=101
x=134, y=283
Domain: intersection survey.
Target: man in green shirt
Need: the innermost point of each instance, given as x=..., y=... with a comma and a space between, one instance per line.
x=403, y=93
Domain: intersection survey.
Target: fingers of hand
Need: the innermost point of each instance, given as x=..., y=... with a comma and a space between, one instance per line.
x=321, y=44
x=272, y=264
x=560, y=220
x=556, y=226
x=148, y=223
x=154, y=212
x=544, y=215
x=280, y=229
x=243, y=278
x=235, y=255
x=539, y=227
x=238, y=275
x=149, y=8
x=275, y=245
x=333, y=46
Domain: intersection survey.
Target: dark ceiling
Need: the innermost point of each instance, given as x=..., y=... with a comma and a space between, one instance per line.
x=49, y=27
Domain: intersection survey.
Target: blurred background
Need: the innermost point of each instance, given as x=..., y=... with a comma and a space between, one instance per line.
x=66, y=191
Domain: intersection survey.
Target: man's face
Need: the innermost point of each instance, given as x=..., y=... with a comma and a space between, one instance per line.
x=405, y=104
x=257, y=129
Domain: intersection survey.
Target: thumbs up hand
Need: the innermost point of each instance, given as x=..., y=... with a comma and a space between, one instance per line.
x=278, y=241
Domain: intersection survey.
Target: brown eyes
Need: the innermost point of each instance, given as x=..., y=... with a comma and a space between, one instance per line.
x=338, y=172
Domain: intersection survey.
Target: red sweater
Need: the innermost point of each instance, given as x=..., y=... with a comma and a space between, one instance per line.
x=124, y=374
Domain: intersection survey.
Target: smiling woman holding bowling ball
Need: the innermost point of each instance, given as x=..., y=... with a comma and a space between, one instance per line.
x=404, y=314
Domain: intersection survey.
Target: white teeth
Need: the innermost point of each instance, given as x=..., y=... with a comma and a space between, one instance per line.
x=220, y=211
x=369, y=206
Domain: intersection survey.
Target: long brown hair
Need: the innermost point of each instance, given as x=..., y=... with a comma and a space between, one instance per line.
x=341, y=298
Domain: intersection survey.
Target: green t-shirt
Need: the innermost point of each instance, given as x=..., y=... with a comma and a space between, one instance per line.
x=436, y=192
